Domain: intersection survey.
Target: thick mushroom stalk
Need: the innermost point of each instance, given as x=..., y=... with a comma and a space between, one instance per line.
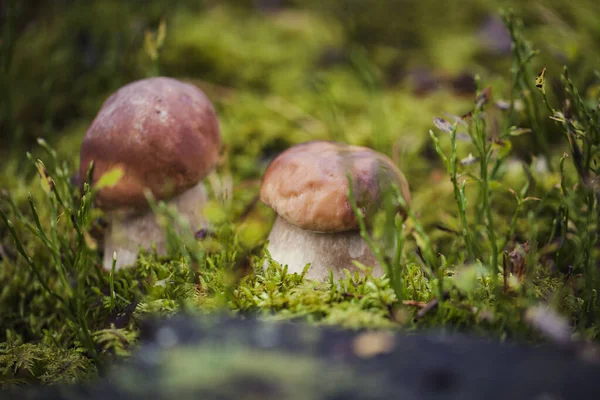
x=325, y=252
x=130, y=230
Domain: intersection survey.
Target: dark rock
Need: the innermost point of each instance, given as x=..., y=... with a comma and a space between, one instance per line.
x=186, y=358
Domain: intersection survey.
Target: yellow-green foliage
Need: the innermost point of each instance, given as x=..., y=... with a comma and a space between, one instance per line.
x=282, y=78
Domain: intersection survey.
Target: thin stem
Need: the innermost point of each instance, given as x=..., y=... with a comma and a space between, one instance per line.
x=30, y=262
x=459, y=197
x=363, y=228
x=485, y=153
x=396, y=266
x=112, y=282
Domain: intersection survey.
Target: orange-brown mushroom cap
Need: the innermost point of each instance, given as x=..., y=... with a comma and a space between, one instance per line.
x=307, y=184
x=163, y=133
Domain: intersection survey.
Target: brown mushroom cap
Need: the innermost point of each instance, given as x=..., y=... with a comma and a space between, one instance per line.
x=307, y=184
x=163, y=133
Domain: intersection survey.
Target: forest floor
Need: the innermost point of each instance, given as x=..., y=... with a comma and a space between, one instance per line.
x=495, y=124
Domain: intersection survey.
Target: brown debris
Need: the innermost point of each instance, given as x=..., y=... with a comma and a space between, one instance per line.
x=414, y=303
x=518, y=259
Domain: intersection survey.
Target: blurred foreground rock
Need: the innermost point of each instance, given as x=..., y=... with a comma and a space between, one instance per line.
x=185, y=358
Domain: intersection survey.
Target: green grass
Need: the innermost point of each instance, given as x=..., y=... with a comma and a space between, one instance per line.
x=504, y=213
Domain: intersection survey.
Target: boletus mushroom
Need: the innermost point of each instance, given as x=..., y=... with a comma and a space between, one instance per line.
x=307, y=186
x=164, y=136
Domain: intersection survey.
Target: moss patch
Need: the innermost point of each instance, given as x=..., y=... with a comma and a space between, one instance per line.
x=501, y=220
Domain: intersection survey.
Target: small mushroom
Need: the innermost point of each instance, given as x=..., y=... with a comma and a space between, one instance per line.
x=307, y=186
x=164, y=135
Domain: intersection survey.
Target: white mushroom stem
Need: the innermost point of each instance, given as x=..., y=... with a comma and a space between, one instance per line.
x=295, y=247
x=129, y=231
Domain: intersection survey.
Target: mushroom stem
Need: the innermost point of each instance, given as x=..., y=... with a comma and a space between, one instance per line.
x=132, y=230
x=295, y=247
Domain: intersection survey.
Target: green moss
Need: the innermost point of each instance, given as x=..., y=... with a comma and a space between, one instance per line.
x=48, y=363
x=278, y=79
x=276, y=51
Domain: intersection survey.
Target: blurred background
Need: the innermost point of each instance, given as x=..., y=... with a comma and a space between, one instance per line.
x=279, y=71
